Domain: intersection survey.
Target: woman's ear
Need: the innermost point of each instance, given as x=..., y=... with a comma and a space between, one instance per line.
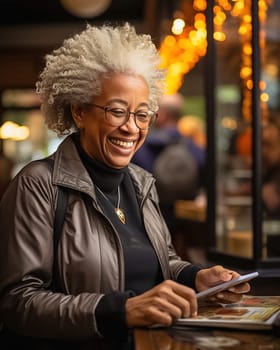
x=76, y=112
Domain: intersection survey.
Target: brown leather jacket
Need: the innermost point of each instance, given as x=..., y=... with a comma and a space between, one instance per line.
x=90, y=256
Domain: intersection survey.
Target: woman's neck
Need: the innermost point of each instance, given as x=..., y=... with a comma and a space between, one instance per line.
x=105, y=177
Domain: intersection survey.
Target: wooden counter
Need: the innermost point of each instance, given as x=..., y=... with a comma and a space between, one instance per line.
x=204, y=339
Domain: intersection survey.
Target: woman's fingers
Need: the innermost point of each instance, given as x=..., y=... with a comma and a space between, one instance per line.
x=181, y=296
x=162, y=304
x=226, y=297
x=234, y=294
x=240, y=288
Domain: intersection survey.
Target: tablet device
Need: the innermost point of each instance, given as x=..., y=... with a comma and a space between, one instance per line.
x=226, y=285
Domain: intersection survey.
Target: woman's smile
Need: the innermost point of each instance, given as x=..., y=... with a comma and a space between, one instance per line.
x=124, y=144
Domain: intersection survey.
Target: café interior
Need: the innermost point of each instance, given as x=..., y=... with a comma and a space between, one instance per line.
x=222, y=56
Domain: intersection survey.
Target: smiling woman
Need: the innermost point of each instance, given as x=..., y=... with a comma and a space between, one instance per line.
x=109, y=134
x=115, y=265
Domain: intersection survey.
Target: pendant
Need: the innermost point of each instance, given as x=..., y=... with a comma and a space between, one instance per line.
x=120, y=215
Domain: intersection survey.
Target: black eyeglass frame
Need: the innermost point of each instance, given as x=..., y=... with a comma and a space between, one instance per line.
x=153, y=116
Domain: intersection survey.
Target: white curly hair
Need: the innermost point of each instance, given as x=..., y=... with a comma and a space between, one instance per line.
x=72, y=72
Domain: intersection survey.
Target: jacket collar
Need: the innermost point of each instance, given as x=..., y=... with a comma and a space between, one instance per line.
x=69, y=171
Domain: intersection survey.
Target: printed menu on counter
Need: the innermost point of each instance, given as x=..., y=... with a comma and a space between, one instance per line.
x=251, y=313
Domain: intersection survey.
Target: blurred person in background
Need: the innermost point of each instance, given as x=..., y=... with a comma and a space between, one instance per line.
x=270, y=148
x=193, y=127
x=271, y=166
x=167, y=131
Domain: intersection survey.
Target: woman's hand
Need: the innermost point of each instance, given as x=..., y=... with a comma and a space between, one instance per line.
x=161, y=305
x=207, y=278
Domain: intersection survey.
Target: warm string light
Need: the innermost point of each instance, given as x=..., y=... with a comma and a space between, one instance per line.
x=242, y=9
x=181, y=50
x=13, y=131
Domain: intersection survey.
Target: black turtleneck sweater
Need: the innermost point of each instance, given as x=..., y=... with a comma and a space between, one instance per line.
x=142, y=269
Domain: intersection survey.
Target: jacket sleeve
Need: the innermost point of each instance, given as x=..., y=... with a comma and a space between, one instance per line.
x=27, y=305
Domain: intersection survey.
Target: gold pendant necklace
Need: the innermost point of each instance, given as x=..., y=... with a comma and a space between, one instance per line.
x=119, y=212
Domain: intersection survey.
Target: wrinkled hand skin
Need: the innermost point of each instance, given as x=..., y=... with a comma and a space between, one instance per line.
x=161, y=305
x=170, y=300
x=207, y=278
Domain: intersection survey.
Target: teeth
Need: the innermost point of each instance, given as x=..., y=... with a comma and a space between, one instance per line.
x=125, y=144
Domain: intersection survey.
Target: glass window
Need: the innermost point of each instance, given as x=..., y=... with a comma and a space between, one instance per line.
x=235, y=128
x=270, y=100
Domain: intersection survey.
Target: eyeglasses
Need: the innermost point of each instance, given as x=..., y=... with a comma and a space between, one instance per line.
x=117, y=116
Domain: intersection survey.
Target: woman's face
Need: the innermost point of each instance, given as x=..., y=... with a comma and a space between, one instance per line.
x=114, y=145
